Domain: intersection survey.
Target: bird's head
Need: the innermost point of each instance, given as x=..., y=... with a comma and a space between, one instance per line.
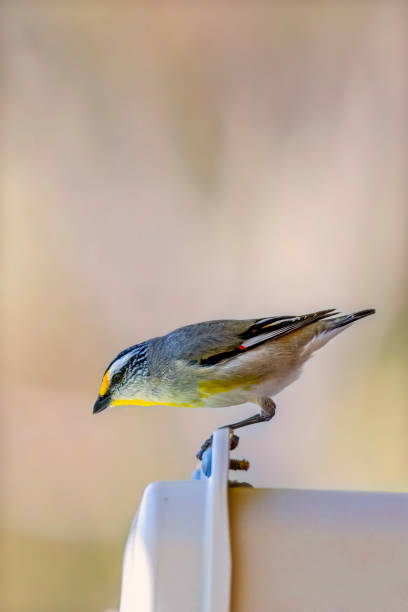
x=124, y=379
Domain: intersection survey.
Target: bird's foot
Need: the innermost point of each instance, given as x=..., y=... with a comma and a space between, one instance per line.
x=268, y=408
x=206, y=445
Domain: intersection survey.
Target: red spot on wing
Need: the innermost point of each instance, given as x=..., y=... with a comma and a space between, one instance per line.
x=241, y=347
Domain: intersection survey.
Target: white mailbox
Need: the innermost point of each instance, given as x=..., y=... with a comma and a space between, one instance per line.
x=200, y=545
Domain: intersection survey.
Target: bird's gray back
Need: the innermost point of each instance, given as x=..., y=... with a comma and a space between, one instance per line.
x=200, y=340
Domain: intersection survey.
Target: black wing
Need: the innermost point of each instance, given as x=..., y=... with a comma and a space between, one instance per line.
x=264, y=330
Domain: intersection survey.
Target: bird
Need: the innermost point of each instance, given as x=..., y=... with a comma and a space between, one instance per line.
x=221, y=363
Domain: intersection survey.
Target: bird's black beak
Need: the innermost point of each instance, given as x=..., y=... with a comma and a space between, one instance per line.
x=101, y=403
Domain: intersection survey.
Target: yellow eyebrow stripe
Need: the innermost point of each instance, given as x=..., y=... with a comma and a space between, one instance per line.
x=104, y=385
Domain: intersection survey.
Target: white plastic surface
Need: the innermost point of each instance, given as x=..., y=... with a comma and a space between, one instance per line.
x=217, y=549
x=177, y=557
x=318, y=551
x=163, y=564
x=292, y=550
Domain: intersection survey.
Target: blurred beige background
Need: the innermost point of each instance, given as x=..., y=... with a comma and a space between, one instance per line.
x=173, y=164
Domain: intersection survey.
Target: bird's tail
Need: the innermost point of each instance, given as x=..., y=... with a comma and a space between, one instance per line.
x=330, y=328
x=350, y=318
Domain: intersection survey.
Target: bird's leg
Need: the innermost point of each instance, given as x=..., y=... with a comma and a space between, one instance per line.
x=256, y=418
x=268, y=408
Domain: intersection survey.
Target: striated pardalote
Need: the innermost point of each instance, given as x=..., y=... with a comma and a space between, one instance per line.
x=220, y=363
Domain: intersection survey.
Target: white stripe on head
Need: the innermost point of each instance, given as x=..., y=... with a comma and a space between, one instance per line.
x=119, y=363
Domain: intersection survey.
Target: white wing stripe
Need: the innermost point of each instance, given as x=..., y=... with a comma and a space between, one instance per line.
x=257, y=339
x=277, y=321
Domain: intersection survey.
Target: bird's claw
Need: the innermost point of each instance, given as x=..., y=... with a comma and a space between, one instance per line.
x=234, y=439
x=205, y=445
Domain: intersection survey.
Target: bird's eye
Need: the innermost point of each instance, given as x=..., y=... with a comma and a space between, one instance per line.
x=116, y=378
